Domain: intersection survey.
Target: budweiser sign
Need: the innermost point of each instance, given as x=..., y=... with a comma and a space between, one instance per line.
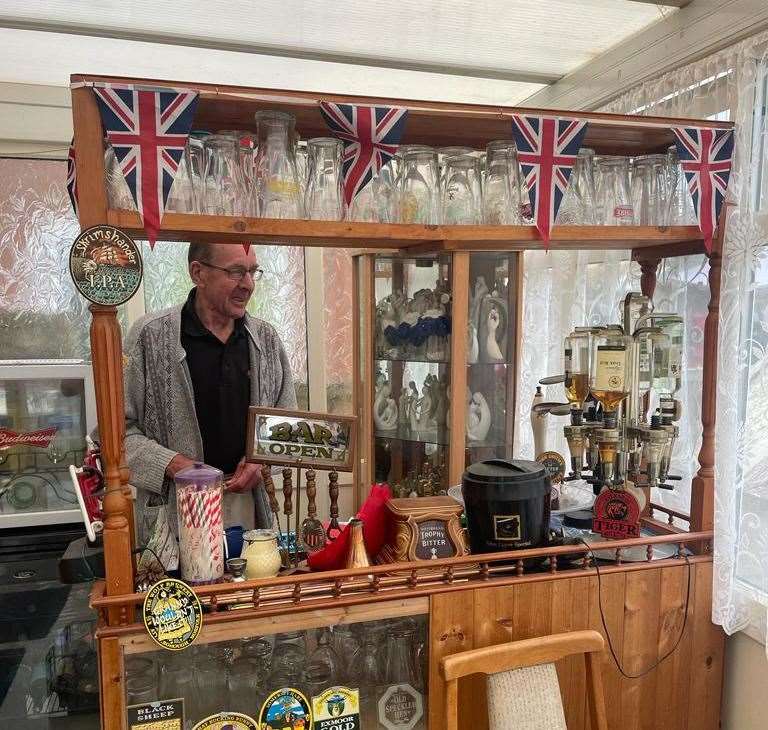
x=40, y=438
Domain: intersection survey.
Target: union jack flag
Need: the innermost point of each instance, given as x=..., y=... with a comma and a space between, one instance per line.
x=72, y=177
x=706, y=155
x=370, y=135
x=148, y=129
x=546, y=149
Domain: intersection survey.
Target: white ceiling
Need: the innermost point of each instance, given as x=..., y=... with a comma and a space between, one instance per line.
x=485, y=51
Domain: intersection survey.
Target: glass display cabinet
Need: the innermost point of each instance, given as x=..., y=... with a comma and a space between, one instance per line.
x=436, y=345
x=382, y=662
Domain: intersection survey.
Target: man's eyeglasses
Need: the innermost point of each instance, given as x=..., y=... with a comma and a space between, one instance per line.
x=237, y=273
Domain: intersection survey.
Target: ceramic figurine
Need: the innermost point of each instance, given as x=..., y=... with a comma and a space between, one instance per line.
x=384, y=409
x=478, y=418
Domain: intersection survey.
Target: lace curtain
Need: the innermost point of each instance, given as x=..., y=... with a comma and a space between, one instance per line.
x=732, y=85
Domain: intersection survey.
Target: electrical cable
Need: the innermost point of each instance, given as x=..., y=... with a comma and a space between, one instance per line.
x=625, y=674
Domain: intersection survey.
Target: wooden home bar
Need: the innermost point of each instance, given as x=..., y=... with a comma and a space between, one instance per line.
x=649, y=610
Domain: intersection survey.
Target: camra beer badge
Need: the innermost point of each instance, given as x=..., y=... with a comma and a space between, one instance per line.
x=105, y=265
x=172, y=614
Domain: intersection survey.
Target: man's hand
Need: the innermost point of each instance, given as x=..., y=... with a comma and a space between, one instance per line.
x=177, y=463
x=247, y=476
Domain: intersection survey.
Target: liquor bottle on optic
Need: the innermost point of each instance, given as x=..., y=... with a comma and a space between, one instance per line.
x=609, y=371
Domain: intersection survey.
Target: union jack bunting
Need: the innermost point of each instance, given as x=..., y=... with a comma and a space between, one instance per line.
x=706, y=155
x=370, y=135
x=72, y=177
x=148, y=129
x=547, y=148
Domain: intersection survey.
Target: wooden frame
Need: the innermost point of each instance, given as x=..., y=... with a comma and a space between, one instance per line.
x=527, y=653
x=299, y=598
x=310, y=462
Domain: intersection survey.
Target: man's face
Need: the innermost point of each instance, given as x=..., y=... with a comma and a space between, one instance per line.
x=221, y=293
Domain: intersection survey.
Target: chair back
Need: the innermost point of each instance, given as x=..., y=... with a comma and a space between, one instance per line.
x=522, y=686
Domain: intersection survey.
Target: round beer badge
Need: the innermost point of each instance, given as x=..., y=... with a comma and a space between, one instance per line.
x=286, y=708
x=227, y=721
x=172, y=614
x=105, y=265
x=554, y=465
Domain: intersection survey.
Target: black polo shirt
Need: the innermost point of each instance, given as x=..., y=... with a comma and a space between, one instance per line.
x=222, y=386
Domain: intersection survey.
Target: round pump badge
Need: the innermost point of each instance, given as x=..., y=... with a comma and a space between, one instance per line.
x=172, y=614
x=227, y=721
x=286, y=708
x=105, y=265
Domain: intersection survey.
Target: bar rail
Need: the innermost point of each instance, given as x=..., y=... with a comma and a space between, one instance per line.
x=311, y=591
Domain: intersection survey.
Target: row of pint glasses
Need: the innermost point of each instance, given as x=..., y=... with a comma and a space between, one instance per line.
x=648, y=190
x=272, y=174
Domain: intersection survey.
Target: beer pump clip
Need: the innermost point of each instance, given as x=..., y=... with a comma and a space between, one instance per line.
x=88, y=483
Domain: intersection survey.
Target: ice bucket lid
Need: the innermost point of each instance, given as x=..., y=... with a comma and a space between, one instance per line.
x=506, y=471
x=198, y=474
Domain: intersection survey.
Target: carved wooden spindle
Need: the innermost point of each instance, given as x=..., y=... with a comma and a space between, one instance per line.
x=553, y=564
x=703, y=484
x=256, y=597
x=618, y=556
x=648, y=269
x=413, y=580
x=518, y=567
x=485, y=573
x=649, y=553
x=107, y=357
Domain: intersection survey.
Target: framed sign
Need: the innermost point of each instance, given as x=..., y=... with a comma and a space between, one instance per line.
x=300, y=439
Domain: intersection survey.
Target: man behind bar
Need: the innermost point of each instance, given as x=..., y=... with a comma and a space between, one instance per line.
x=192, y=371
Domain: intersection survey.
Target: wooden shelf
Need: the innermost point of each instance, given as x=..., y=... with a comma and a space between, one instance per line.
x=435, y=123
x=408, y=238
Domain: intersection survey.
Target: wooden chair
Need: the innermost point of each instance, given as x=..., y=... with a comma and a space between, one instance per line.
x=523, y=691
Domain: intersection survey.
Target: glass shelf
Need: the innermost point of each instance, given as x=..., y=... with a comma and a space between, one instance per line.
x=414, y=360
x=426, y=437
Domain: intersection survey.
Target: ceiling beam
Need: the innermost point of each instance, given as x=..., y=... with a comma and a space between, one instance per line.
x=669, y=3
x=697, y=30
x=294, y=52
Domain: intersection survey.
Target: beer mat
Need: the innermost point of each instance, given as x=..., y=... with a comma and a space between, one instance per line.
x=30, y=615
x=10, y=660
x=373, y=513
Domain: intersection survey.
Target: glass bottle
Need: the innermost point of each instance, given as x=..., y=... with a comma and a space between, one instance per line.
x=461, y=191
x=289, y=652
x=399, y=670
x=501, y=197
x=614, y=200
x=324, y=199
x=278, y=191
x=419, y=188
x=680, y=210
x=211, y=683
x=223, y=189
x=181, y=196
x=246, y=686
x=118, y=192
x=649, y=189
x=317, y=677
x=369, y=670
x=576, y=356
x=667, y=375
x=245, y=146
x=518, y=181
x=345, y=644
x=325, y=654
x=610, y=369
x=195, y=160
x=578, y=205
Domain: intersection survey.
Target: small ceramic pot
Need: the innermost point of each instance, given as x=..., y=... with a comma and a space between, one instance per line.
x=261, y=551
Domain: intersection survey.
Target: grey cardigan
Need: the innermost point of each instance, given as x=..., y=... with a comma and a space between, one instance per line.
x=160, y=418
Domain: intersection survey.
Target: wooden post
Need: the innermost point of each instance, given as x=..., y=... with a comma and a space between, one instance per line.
x=363, y=353
x=106, y=357
x=703, y=484
x=648, y=268
x=458, y=386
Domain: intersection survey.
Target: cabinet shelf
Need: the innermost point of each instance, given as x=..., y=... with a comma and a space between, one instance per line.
x=409, y=238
